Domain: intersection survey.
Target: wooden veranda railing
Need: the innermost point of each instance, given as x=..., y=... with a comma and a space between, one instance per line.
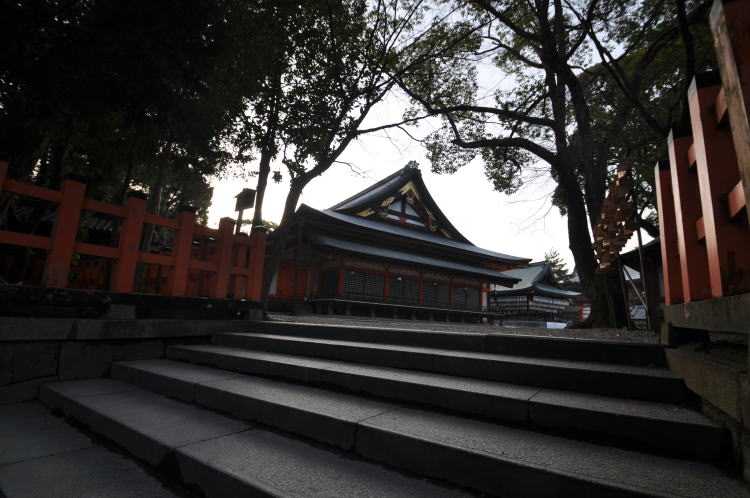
x=226, y=265
x=702, y=191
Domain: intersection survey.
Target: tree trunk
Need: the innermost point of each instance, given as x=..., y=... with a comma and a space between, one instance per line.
x=279, y=237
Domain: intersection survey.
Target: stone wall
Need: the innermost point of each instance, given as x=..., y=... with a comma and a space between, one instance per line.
x=37, y=350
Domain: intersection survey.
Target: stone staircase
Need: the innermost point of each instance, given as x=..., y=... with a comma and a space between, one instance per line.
x=322, y=410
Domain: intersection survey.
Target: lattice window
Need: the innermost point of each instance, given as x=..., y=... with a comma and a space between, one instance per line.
x=359, y=284
x=403, y=290
x=329, y=283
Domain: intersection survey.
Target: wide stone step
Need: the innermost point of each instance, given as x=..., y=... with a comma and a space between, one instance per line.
x=654, y=425
x=626, y=381
x=480, y=341
x=221, y=456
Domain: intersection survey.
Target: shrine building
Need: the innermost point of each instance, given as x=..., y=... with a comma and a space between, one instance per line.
x=388, y=250
x=538, y=295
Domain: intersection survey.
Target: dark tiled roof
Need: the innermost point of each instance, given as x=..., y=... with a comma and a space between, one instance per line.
x=417, y=235
x=533, y=277
x=410, y=258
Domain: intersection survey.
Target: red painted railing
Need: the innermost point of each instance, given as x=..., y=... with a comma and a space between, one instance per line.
x=223, y=265
x=702, y=192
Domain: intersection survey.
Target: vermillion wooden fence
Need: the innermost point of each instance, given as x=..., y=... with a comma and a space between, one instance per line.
x=223, y=264
x=702, y=192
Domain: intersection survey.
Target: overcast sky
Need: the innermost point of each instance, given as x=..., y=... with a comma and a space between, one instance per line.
x=523, y=224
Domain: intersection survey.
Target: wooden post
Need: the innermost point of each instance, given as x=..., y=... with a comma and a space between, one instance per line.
x=668, y=235
x=687, y=210
x=182, y=248
x=241, y=261
x=223, y=258
x=729, y=23
x=716, y=162
x=64, y=233
x=257, y=260
x=129, y=244
x=3, y=174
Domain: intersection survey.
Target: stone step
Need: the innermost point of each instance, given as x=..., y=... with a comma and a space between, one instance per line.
x=625, y=381
x=221, y=456
x=40, y=452
x=650, y=424
x=654, y=425
x=480, y=341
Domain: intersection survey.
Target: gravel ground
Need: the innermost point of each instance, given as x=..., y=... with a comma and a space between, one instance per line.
x=618, y=335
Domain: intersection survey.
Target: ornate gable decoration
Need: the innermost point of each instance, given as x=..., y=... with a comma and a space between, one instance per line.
x=403, y=199
x=406, y=207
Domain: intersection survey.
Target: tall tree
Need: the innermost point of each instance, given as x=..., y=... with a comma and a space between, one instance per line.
x=348, y=58
x=542, y=112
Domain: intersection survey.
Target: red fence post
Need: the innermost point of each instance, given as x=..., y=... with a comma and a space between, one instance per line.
x=64, y=233
x=239, y=287
x=729, y=24
x=130, y=243
x=257, y=261
x=668, y=234
x=685, y=191
x=726, y=240
x=182, y=248
x=3, y=174
x=223, y=257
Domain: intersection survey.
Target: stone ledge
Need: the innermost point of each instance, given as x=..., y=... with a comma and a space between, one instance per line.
x=68, y=329
x=724, y=314
x=716, y=381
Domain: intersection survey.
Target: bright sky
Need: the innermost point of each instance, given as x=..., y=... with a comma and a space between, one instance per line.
x=524, y=224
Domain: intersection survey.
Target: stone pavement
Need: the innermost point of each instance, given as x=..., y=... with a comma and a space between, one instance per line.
x=600, y=334
x=35, y=443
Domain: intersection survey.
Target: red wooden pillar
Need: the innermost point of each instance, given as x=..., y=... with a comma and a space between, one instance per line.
x=64, y=233
x=182, y=248
x=240, y=261
x=687, y=211
x=386, y=284
x=340, y=284
x=668, y=234
x=421, y=289
x=223, y=258
x=729, y=23
x=130, y=243
x=257, y=259
x=716, y=161
x=3, y=174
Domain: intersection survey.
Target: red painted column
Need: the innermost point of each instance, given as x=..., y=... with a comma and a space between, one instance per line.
x=130, y=243
x=257, y=260
x=726, y=240
x=238, y=285
x=729, y=23
x=3, y=174
x=668, y=234
x=687, y=209
x=64, y=234
x=223, y=258
x=182, y=248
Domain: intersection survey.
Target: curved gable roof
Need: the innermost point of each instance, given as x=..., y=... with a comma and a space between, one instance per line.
x=393, y=186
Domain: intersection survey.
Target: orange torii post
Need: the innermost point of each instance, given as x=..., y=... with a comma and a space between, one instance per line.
x=64, y=231
x=182, y=248
x=729, y=23
x=668, y=234
x=686, y=192
x=240, y=261
x=223, y=257
x=716, y=162
x=257, y=259
x=130, y=243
